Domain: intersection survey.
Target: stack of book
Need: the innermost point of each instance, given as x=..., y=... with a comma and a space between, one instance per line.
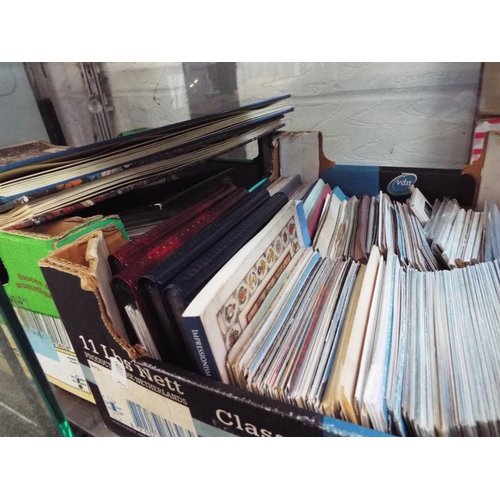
x=374, y=341
x=51, y=186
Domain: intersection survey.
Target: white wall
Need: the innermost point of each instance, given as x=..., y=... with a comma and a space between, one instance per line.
x=20, y=119
x=400, y=114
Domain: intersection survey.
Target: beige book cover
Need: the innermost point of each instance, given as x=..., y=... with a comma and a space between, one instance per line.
x=357, y=338
x=330, y=403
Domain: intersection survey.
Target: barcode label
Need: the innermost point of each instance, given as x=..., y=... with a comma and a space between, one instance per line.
x=40, y=323
x=155, y=425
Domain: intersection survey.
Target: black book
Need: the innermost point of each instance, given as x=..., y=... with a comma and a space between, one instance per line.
x=171, y=299
x=151, y=284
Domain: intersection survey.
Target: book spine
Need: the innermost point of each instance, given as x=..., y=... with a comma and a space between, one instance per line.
x=317, y=211
x=303, y=224
x=47, y=190
x=69, y=209
x=170, y=334
x=12, y=204
x=207, y=205
x=198, y=343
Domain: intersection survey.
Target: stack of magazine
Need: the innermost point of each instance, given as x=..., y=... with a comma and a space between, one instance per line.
x=57, y=184
x=390, y=339
x=463, y=237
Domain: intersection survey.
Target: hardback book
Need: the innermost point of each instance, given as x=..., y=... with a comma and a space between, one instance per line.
x=177, y=295
x=140, y=325
x=153, y=284
x=218, y=314
x=139, y=217
x=200, y=203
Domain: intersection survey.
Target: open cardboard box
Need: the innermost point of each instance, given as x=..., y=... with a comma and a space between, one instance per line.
x=138, y=395
x=25, y=286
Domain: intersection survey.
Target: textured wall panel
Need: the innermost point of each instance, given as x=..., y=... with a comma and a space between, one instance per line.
x=414, y=114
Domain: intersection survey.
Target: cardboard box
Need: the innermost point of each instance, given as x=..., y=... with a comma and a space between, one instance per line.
x=140, y=396
x=489, y=100
x=20, y=251
x=301, y=153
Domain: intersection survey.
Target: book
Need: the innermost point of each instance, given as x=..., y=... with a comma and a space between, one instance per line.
x=66, y=176
x=312, y=198
x=254, y=334
x=262, y=338
x=287, y=185
x=178, y=294
x=312, y=223
x=420, y=206
x=330, y=404
x=348, y=369
x=139, y=217
x=152, y=285
x=360, y=252
x=140, y=256
x=197, y=204
x=140, y=146
x=217, y=320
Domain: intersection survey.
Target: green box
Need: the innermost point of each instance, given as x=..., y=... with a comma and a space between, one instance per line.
x=20, y=252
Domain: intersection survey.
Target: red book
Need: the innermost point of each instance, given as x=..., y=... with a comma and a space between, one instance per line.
x=317, y=210
x=140, y=245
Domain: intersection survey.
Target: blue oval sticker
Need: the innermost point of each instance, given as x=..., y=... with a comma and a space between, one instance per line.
x=402, y=184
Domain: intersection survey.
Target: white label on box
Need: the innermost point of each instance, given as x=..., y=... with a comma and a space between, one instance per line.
x=118, y=372
x=142, y=409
